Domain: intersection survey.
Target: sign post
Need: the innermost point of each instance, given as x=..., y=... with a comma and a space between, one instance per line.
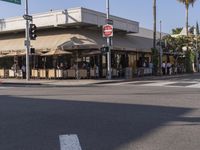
x=26, y=16
x=13, y=1
x=108, y=33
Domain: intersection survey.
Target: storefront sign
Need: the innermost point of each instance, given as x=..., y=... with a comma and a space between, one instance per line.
x=13, y=1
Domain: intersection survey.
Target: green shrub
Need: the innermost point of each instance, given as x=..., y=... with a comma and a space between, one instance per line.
x=189, y=60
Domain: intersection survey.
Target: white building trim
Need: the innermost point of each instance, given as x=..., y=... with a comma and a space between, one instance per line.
x=69, y=17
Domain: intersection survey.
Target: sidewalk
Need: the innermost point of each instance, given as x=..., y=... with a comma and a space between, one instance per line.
x=60, y=83
x=88, y=82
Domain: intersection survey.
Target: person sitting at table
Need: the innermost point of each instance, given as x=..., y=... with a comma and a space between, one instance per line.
x=61, y=66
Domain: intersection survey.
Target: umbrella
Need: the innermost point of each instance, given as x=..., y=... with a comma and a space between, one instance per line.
x=56, y=52
x=2, y=55
x=16, y=53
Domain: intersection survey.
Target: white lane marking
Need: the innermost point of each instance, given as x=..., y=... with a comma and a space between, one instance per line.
x=197, y=85
x=69, y=142
x=135, y=83
x=159, y=83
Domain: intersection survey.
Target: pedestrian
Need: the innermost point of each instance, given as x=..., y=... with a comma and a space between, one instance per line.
x=151, y=67
x=23, y=68
x=163, y=68
x=97, y=71
x=168, y=68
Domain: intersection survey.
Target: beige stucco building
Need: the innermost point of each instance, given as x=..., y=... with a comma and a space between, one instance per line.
x=78, y=32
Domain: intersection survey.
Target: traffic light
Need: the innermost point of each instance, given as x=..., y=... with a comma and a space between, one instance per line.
x=104, y=49
x=32, y=50
x=32, y=32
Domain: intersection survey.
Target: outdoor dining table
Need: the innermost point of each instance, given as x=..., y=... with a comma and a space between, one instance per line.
x=34, y=73
x=42, y=73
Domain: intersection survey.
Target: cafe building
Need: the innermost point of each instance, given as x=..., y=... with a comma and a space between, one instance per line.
x=68, y=46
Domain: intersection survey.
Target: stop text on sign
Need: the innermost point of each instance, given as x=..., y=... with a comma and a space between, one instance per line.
x=107, y=30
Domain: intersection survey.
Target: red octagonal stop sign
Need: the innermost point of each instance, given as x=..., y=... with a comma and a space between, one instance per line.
x=107, y=30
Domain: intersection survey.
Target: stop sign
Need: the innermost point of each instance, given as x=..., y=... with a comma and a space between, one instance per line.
x=107, y=30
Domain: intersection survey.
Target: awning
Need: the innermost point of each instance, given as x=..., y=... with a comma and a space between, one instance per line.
x=70, y=39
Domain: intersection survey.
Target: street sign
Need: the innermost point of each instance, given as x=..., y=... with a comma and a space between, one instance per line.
x=28, y=17
x=109, y=21
x=107, y=30
x=13, y=1
x=26, y=43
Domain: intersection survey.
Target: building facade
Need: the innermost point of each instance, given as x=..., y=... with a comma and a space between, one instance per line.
x=68, y=46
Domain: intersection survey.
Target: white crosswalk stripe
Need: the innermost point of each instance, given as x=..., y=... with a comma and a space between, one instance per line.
x=161, y=83
x=158, y=84
x=194, y=86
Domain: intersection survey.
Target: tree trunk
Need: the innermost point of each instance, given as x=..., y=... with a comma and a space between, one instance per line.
x=154, y=24
x=186, y=25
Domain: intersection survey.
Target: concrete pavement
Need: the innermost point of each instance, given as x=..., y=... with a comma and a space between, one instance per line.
x=128, y=117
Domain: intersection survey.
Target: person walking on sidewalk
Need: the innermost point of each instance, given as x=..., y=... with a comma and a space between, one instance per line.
x=169, y=68
x=151, y=67
x=163, y=68
x=23, y=71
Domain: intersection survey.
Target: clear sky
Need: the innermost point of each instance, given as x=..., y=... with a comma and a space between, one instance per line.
x=171, y=12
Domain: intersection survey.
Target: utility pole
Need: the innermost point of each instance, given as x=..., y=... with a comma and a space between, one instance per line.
x=109, y=44
x=154, y=24
x=27, y=43
x=160, y=66
x=197, y=54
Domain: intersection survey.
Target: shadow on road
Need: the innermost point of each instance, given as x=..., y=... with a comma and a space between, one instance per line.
x=35, y=124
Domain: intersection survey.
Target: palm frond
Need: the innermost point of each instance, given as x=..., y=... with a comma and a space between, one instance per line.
x=187, y=2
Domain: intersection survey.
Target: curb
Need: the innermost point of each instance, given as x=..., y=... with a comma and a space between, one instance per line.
x=41, y=84
x=16, y=83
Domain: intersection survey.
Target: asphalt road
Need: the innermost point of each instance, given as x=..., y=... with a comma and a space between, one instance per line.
x=104, y=117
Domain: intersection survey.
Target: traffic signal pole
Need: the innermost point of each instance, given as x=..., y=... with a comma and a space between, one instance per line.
x=27, y=43
x=109, y=75
x=161, y=51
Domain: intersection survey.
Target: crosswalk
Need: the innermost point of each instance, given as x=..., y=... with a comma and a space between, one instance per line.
x=160, y=83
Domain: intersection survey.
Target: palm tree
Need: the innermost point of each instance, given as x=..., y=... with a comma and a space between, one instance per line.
x=154, y=24
x=187, y=4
